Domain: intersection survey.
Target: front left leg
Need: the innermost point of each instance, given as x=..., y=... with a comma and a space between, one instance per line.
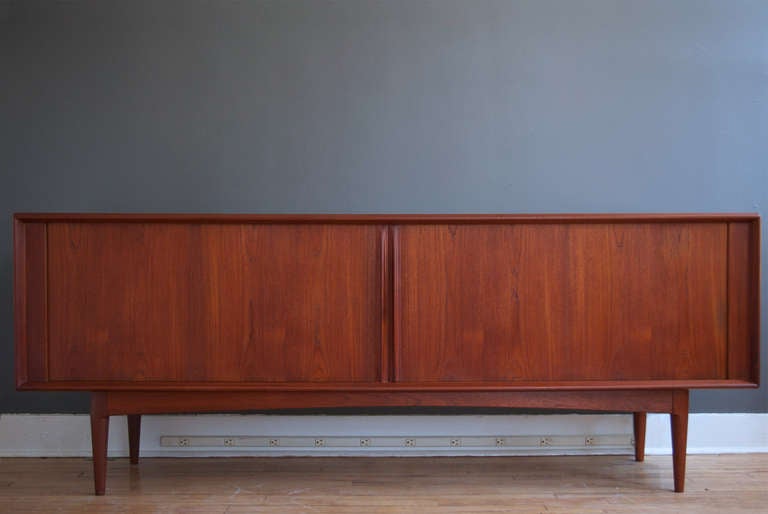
x=99, y=437
x=679, y=422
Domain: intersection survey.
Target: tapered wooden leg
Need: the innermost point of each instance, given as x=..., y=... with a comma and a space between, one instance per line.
x=99, y=437
x=134, y=436
x=679, y=422
x=638, y=422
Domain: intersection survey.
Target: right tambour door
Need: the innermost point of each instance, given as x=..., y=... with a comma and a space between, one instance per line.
x=561, y=301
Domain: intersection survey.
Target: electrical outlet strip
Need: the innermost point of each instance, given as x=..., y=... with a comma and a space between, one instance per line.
x=619, y=442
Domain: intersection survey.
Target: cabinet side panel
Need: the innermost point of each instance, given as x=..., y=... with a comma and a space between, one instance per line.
x=643, y=301
x=743, y=303
x=31, y=299
x=214, y=303
x=30, y=302
x=20, y=302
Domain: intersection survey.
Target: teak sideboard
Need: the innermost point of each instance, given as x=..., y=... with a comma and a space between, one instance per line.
x=162, y=313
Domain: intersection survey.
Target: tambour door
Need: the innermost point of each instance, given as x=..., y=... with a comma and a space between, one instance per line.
x=562, y=301
x=207, y=302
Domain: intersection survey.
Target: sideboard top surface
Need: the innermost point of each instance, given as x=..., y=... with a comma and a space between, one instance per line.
x=386, y=218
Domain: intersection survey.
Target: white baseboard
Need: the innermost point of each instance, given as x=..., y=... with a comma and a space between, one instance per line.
x=60, y=435
x=711, y=433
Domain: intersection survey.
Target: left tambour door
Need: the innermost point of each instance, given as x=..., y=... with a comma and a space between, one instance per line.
x=205, y=302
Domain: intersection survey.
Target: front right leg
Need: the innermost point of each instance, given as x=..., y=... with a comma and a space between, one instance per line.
x=638, y=423
x=134, y=437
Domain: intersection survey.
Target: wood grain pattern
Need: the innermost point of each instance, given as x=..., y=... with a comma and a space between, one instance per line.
x=182, y=301
x=173, y=302
x=563, y=302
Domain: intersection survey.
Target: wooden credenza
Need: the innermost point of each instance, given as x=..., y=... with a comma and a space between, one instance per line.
x=202, y=312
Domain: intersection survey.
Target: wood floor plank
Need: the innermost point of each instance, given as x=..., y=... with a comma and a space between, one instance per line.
x=715, y=484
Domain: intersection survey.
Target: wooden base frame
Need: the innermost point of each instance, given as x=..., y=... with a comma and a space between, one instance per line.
x=136, y=403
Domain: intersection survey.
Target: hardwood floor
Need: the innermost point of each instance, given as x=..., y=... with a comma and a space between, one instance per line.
x=591, y=484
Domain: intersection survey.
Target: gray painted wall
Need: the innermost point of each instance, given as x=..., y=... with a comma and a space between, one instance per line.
x=380, y=106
